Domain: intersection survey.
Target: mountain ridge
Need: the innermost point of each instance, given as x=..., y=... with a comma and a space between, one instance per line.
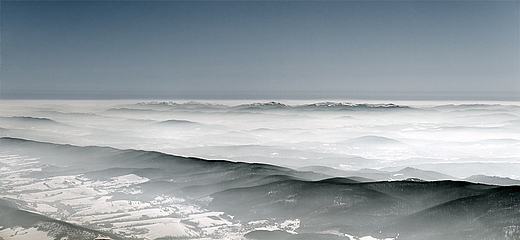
x=253, y=192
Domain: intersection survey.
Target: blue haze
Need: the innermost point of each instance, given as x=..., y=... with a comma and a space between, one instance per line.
x=256, y=49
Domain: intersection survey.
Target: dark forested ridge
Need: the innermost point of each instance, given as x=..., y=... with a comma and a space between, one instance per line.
x=407, y=209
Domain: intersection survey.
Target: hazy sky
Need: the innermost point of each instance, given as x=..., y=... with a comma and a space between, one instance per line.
x=274, y=49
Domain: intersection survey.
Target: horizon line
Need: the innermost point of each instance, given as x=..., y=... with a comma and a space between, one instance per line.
x=263, y=95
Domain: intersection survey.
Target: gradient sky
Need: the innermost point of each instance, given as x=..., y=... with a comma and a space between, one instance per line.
x=276, y=49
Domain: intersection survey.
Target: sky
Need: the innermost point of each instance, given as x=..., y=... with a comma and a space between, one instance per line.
x=260, y=49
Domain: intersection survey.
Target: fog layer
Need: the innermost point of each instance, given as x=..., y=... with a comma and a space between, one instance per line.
x=460, y=140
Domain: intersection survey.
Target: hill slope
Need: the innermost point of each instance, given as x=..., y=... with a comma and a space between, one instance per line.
x=150, y=195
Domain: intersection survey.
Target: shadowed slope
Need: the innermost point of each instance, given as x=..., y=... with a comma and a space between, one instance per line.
x=11, y=216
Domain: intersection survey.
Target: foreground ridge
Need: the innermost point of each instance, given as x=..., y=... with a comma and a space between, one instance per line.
x=101, y=191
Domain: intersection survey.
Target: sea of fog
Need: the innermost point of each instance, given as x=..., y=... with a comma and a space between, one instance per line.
x=459, y=139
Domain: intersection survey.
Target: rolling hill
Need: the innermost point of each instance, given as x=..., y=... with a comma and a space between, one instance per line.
x=62, y=190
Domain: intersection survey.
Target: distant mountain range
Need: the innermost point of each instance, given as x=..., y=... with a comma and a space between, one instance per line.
x=379, y=175
x=75, y=192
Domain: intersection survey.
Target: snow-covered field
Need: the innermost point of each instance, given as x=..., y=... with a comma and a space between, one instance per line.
x=79, y=200
x=24, y=234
